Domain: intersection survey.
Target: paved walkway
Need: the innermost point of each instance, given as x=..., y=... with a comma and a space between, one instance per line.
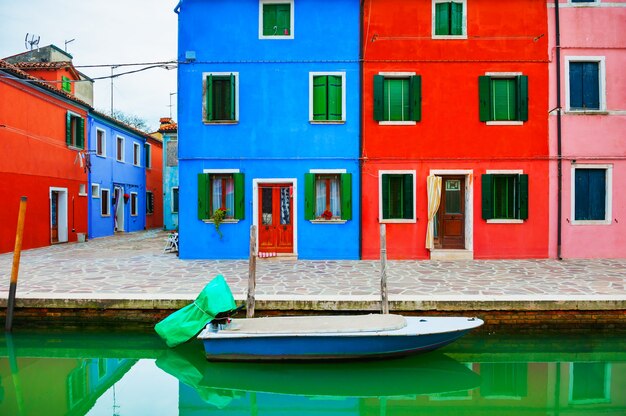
x=133, y=267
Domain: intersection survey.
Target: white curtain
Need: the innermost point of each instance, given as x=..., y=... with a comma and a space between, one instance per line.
x=433, y=187
x=217, y=194
x=220, y=187
x=335, y=207
x=320, y=197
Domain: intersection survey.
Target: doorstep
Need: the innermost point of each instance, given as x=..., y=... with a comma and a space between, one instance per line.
x=443, y=254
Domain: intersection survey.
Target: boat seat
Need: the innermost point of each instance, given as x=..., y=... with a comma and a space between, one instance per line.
x=313, y=324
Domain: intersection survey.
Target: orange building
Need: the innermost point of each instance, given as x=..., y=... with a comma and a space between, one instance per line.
x=154, y=182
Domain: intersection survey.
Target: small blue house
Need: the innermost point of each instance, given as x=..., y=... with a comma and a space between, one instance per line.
x=169, y=134
x=117, y=176
x=268, y=125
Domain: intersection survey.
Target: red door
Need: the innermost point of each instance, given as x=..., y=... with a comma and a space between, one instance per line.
x=275, y=218
x=451, y=214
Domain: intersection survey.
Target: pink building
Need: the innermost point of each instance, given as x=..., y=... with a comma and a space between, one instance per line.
x=588, y=135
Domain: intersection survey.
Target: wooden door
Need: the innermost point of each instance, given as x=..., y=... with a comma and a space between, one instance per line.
x=54, y=217
x=451, y=214
x=275, y=218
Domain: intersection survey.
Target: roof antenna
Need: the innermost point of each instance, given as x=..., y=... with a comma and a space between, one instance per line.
x=32, y=42
x=68, y=41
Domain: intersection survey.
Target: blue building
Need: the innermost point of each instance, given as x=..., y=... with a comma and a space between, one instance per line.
x=269, y=128
x=169, y=134
x=117, y=176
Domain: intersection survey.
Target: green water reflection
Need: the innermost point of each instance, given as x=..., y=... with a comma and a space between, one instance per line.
x=482, y=374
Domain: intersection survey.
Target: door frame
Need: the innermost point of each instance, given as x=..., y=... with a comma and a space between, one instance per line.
x=120, y=208
x=62, y=216
x=469, y=198
x=294, y=202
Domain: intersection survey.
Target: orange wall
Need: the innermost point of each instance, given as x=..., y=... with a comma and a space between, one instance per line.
x=154, y=183
x=54, y=75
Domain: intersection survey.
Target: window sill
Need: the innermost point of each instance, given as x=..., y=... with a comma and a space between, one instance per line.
x=278, y=37
x=505, y=123
x=79, y=194
x=397, y=123
x=587, y=112
x=327, y=121
x=214, y=122
x=106, y=216
x=328, y=221
x=504, y=221
x=228, y=221
x=397, y=221
x=591, y=222
x=102, y=156
x=450, y=37
x=120, y=161
x=72, y=147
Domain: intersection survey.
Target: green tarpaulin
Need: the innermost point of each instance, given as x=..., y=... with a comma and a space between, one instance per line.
x=185, y=323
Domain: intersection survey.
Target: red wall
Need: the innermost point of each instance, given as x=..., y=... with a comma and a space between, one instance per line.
x=154, y=183
x=33, y=158
x=54, y=75
x=397, y=37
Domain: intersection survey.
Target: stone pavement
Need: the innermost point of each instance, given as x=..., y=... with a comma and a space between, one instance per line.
x=132, y=271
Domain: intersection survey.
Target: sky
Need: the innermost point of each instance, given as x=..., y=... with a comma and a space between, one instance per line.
x=105, y=32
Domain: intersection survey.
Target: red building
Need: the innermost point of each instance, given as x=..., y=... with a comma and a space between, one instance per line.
x=455, y=91
x=154, y=181
x=42, y=142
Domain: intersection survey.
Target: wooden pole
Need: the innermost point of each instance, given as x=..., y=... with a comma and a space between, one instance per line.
x=384, y=304
x=17, y=252
x=251, y=274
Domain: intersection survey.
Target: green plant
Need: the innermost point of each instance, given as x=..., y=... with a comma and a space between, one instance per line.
x=218, y=217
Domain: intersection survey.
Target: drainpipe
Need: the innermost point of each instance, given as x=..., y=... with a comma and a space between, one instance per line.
x=360, y=155
x=558, y=130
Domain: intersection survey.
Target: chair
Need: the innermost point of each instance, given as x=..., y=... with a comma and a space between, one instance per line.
x=171, y=245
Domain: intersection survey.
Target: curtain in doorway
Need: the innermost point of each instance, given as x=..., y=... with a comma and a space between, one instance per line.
x=433, y=187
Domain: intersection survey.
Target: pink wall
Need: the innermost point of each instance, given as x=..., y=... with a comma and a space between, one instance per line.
x=599, y=138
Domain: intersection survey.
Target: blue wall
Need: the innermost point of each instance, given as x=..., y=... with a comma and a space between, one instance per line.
x=273, y=137
x=108, y=173
x=170, y=180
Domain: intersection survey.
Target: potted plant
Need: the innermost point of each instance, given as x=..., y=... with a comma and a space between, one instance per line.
x=328, y=215
x=218, y=217
x=126, y=196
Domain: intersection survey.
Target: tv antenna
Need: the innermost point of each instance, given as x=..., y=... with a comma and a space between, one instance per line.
x=32, y=43
x=68, y=41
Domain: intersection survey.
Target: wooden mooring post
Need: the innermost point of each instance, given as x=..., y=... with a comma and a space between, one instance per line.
x=384, y=301
x=251, y=274
x=17, y=252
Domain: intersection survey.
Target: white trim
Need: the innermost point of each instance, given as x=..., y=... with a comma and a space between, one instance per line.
x=104, y=142
x=503, y=74
x=137, y=154
x=380, y=197
x=204, y=93
x=216, y=171
x=398, y=123
x=505, y=123
x=504, y=171
x=504, y=221
x=601, y=60
x=397, y=74
x=294, y=202
x=134, y=204
x=106, y=201
x=291, y=19
x=469, y=202
x=118, y=157
x=608, y=194
x=463, y=35
x=172, y=200
x=343, y=96
x=329, y=171
x=62, y=213
x=95, y=190
x=317, y=221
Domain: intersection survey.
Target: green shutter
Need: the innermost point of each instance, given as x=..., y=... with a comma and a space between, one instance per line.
x=320, y=88
x=204, y=206
x=283, y=19
x=522, y=98
x=379, y=82
x=81, y=133
x=407, y=202
x=385, y=196
x=209, y=100
x=232, y=97
x=334, y=97
x=269, y=19
x=346, y=196
x=487, y=194
x=240, y=196
x=523, y=196
x=442, y=19
x=68, y=129
x=415, y=91
x=484, y=98
x=309, y=196
x=456, y=19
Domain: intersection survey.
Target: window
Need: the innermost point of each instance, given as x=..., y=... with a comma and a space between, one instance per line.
x=175, y=200
x=503, y=98
x=328, y=195
x=583, y=1
x=95, y=190
x=134, y=204
x=221, y=97
x=105, y=203
x=66, y=84
x=590, y=382
x=449, y=19
x=585, y=79
x=136, y=154
x=591, y=194
x=82, y=189
x=276, y=19
x=75, y=131
x=326, y=97
x=101, y=143
x=119, y=151
x=219, y=189
x=505, y=196
x=149, y=202
x=504, y=380
x=148, y=155
x=171, y=157
x=397, y=196
x=397, y=98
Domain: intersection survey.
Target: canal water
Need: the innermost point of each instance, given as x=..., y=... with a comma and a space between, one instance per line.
x=93, y=373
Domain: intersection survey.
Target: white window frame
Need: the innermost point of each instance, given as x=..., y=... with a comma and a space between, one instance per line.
x=584, y=4
x=291, y=19
x=136, y=154
x=434, y=20
x=220, y=172
x=400, y=75
x=106, y=201
x=608, y=194
x=82, y=189
x=205, y=91
x=380, y=197
x=328, y=172
x=312, y=75
x=172, y=199
x=148, y=155
x=104, y=142
x=601, y=61
x=134, y=204
x=504, y=75
x=74, y=138
x=120, y=157
x=95, y=190
x=504, y=172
